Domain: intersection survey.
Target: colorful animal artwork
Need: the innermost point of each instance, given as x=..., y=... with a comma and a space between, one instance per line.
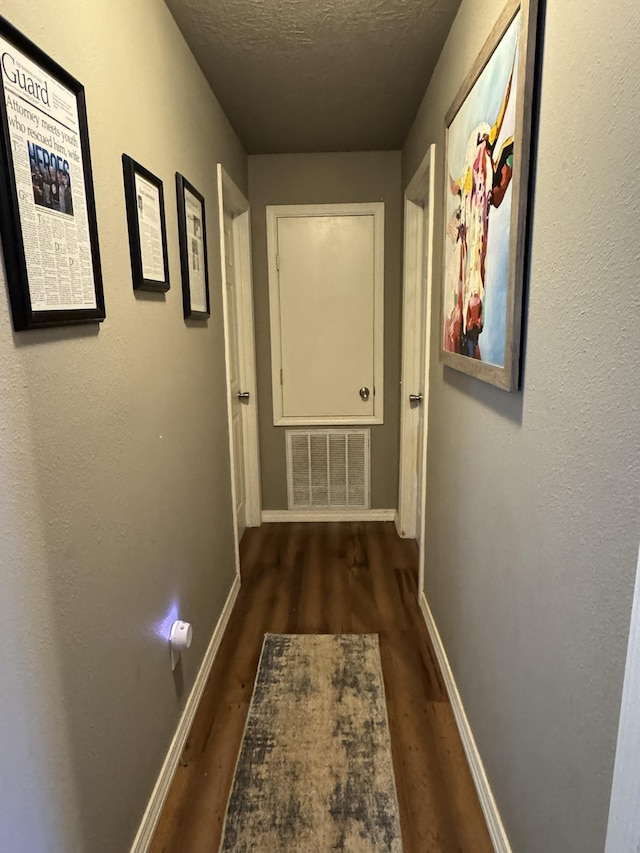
x=480, y=164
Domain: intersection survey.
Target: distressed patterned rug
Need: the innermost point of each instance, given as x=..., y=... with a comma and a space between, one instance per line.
x=314, y=772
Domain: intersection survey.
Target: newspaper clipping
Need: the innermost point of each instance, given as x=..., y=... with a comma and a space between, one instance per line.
x=49, y=176
x=150, y=225
x=195, y=251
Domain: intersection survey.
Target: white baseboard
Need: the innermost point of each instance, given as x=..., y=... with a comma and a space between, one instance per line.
x=328, y=515
x=485, y=795
x=152, y=813
x=396, y=521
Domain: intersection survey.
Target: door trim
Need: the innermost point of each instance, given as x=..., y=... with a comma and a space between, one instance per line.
x=231, y=199
x=278, y=211
x=623, y=829
x=419, y=203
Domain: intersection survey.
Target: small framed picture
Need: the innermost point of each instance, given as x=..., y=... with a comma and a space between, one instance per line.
x=192, y=233
x=47, y=206
x=144, y=198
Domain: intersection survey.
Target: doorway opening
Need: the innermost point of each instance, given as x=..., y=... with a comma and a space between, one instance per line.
x=416, y=347
x=239, y=336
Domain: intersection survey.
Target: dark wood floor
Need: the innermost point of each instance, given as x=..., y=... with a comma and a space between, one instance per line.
x=331, y=578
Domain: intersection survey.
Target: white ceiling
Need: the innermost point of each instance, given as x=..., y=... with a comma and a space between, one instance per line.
x=329, y=75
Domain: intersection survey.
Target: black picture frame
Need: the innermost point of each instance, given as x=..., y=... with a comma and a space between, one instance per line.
x=194, y=259
x=136, y=177
x=49, y=239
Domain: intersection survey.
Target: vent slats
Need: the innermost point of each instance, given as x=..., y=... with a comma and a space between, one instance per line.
x=357, y=474
x=299, y=452
x=319, y=471
x=338, y=470
x=328, y=469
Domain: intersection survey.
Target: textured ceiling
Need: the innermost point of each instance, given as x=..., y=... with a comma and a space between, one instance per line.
x=329, y=75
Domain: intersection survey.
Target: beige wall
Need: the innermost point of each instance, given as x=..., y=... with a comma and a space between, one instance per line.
x=114, y=475
x=533, y=501
x=316, y=179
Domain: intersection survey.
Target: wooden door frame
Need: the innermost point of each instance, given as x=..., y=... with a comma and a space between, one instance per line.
x=278, y=211
x=233, y=200
x=419, y=203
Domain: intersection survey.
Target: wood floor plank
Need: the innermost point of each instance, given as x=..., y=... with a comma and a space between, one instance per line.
x=467, y=814
x=428, y=824
x=330, y=578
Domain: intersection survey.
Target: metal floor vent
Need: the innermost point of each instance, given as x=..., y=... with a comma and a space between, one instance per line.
x=328, y=469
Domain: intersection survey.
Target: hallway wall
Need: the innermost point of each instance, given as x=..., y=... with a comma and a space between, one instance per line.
x=318, y=179
x=533, y=501
x=115, y=507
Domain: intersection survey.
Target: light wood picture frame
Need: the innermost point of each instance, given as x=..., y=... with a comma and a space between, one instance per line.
x=487, y=162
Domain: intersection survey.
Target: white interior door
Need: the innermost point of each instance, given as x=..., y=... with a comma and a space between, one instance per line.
x=237, y=297
x=235, y=371
x=422, y=390
x=326, y=293
x=416, y=344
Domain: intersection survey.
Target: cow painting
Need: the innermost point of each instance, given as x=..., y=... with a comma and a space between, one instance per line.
x=478, y=183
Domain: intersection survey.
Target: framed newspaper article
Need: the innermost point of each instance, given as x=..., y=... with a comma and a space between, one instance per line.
x=47, y=207
x=144, y=197
x=192, y=234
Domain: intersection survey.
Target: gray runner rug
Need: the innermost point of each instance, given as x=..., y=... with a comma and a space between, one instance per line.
x=314, y=772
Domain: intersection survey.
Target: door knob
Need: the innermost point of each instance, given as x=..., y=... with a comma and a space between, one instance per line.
x=364, y=393
x=415, y=399
x=244, y=396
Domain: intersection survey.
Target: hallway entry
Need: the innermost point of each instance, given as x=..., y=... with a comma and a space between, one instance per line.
x=419, y=200
x=239, y=331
